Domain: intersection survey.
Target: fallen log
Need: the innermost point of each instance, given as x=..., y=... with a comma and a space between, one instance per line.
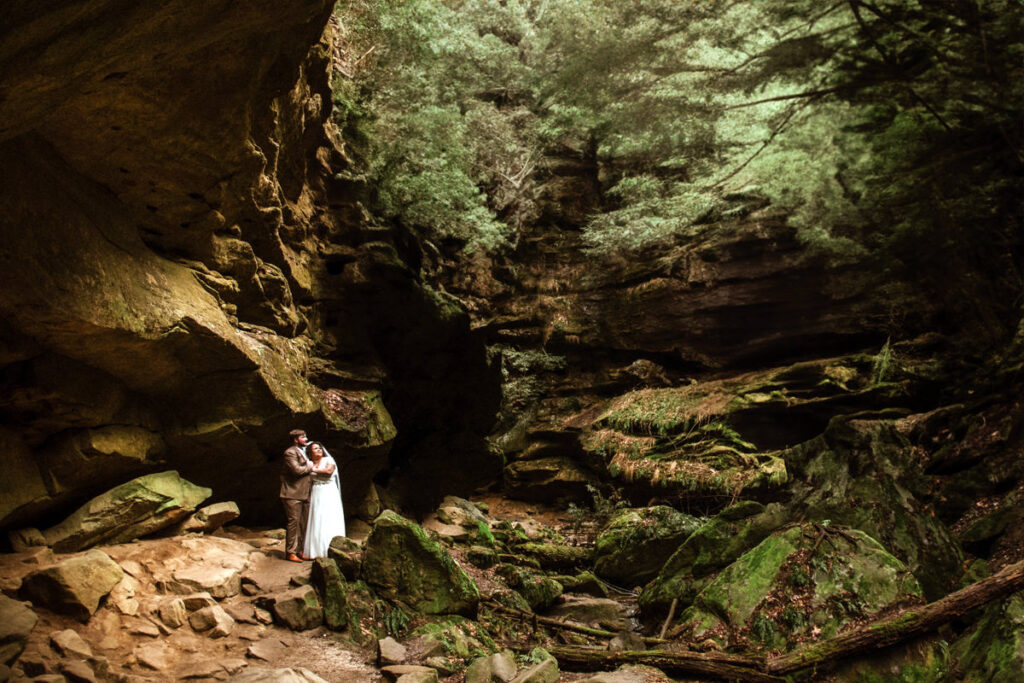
x=910, y=624
x=879, y=634
x=715, y=664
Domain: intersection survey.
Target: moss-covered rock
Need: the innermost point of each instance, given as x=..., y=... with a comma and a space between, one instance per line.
x=864, y=474
x=994, y=649
x=403, y=564
x=802, y=583
x=330, y=584
x=459, y=637
x=539, y=591
x=129, y=511
x=635, y=544
x=717, y=543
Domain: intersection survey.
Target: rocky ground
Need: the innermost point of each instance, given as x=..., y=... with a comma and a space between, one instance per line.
x=208, y=607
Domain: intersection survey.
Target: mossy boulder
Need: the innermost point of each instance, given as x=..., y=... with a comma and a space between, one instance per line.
x=636, y=543
x=126, y=512
x=403, y=564
x=801, y=583
x=865, y=474
x=330, y=583
x=994, y=649
x=459, y=637
x=717, y=543
x=540, y=591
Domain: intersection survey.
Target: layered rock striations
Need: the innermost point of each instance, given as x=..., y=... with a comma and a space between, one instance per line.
x=187, y=269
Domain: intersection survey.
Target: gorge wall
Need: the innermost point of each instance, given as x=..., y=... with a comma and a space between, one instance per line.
x=188, y=269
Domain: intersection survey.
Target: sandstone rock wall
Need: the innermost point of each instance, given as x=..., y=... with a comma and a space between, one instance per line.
x=187, y=269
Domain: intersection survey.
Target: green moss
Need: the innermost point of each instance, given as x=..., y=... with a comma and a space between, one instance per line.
x=405, y=565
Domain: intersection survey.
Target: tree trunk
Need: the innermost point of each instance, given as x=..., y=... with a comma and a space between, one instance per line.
x=719, y=665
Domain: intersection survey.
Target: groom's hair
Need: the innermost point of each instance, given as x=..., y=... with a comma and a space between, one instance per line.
x=296, y=433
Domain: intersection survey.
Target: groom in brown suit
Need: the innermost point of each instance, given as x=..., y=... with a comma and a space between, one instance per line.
x=295, y=486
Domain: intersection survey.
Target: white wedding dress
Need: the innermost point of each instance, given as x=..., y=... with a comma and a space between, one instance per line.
x=326, y=515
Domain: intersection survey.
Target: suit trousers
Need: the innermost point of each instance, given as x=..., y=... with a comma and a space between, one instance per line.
x=296, y=513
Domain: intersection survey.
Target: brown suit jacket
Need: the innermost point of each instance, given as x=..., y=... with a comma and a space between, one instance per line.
x=295, y=479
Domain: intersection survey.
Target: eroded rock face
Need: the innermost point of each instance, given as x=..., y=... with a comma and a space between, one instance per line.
x=189, y=271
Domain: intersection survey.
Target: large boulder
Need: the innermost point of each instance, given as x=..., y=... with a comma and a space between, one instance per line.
x=803, y=583
x=402, y=563
x=865, y=473
x=75, y=585
x=716, y=544
x=634, y=545
x=16, y=623
x=126, y=512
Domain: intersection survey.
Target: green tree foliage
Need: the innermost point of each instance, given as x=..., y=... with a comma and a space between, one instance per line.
x=886, y=127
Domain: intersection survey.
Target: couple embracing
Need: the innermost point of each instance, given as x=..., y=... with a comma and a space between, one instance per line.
x=311, y=495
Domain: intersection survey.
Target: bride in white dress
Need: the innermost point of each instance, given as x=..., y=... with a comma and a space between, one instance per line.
x=326, y=515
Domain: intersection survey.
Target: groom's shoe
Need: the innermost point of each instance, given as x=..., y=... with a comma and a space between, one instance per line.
x=292, y=557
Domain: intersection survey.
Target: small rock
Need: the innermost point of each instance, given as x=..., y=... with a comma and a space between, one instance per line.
x=33, y=665
x=243, y=613
x=250, y=586
x=390, y=651
x=39, y=556
x=268, y=649
x=144, y=628
x=16, y=623
x=200, y=668
x=263, y=616
x=173, y=613
x=233, y=665
x=198, y=601
x=49, y=678
x=212, y=620
x=298, y=609
x=545, y=672
x=446, y=532
x=207, y=519
x=123, y=596
x=78, y=671
x=482, y=557
x=134, y=568
x=70, y=644
x=501, y=666
x=627, y=641
x=444, y=666
x=257, y=675
x=156, y=656
x=396, y=671
x=428, y=676
x=630, y=674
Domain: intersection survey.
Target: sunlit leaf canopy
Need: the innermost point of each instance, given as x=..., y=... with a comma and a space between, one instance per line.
x=886, y=128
